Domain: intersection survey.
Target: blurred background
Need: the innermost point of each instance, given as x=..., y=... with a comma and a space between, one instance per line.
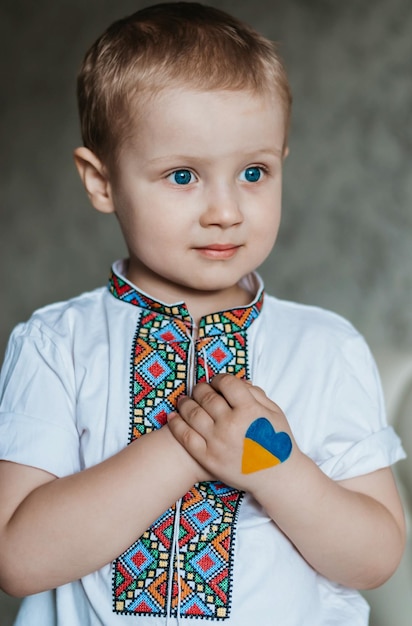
x=345, y=241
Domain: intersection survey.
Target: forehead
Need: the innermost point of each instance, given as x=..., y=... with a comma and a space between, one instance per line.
x=170, y=96
x=181, y=114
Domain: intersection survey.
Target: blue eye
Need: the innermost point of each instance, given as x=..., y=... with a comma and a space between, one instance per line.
x=181, y=177
x=251, y=174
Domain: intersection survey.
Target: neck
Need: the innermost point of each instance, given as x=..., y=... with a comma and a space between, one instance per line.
x=198, y=302
x=200, y=305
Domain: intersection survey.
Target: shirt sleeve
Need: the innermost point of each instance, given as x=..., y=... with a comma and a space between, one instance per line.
x=38, y=401
x=357, y=438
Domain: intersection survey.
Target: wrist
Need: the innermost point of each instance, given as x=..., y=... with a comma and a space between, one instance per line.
x=281, y=480
x=187, y=464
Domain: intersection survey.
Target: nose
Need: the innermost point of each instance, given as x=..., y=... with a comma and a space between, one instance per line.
x=222, y=207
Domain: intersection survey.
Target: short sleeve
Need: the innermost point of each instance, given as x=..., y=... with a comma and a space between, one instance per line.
x=357, y=438
x=37, y=401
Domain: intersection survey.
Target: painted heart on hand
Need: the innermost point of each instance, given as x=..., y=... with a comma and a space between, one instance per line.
x=263, y=447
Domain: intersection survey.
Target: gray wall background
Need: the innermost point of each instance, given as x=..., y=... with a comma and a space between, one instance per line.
x=345, y=242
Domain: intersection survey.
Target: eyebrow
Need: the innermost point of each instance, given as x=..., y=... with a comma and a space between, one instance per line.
x=197, y=158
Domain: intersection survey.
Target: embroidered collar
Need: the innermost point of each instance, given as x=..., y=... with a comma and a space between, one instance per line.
x=233, y=320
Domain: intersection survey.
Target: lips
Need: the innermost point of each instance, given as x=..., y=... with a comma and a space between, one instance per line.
x=219, y=251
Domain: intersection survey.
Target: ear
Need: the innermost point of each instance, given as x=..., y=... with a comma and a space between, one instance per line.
x=285, y=152
x=95, y=179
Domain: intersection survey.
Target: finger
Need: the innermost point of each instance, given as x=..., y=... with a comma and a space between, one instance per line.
x=195, y=415
x=210, y=400
x=235, y=391
x=191, y=440
x=261, y=397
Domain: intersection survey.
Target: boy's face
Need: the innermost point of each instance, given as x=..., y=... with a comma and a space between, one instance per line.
x=197, y=190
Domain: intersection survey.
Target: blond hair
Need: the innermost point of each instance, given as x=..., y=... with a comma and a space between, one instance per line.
x=166, y=45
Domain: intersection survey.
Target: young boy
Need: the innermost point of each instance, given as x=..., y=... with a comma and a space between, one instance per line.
x=230, y=447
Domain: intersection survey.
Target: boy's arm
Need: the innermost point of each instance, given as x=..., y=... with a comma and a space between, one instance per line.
x=55, y=530
x=352, y=532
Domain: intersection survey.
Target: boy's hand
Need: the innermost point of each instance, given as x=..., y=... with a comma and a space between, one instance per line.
x=232, y=429
x=350, y=531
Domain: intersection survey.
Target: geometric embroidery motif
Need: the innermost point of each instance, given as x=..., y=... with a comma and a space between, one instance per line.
x=184, y=561
x=158, y=371
x=202, y=568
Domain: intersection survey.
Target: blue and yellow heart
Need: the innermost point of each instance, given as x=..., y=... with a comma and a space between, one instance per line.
x=263, y=447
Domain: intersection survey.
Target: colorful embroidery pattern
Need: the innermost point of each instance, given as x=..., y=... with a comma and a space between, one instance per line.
x=184, y=560
x=201, y=580
x=159, y=371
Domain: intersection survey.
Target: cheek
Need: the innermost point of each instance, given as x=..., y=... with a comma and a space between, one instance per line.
x=266, y=233
x=269, y=223
x=158, y=238
x=266, y=243
x=144, y=224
